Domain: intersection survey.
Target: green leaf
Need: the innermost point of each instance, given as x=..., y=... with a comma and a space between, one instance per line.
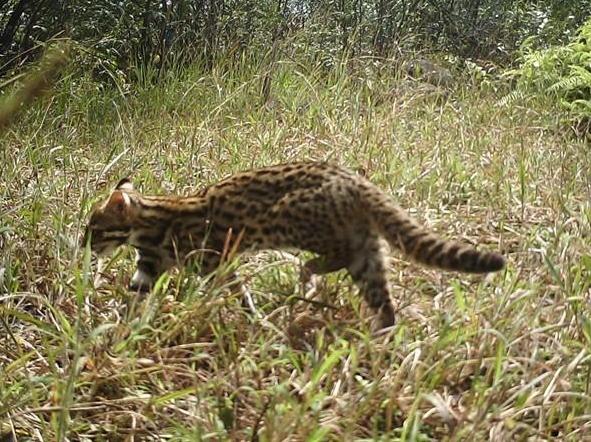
x=173, y=395
x=459, y=296
x=327, y=365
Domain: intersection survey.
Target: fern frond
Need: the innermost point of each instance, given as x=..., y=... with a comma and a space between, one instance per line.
x=566, y=85
x=513, y=97
x=581, y=107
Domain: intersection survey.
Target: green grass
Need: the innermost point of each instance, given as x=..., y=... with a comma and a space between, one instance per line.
x=505, y=357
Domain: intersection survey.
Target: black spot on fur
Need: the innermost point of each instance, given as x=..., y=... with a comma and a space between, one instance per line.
x=469, y=260
x=494, y=262
x=435, y=256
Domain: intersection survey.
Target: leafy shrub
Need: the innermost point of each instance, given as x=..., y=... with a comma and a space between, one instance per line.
x=562, y=73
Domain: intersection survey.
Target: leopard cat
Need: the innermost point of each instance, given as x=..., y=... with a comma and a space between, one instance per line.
x=316, y=206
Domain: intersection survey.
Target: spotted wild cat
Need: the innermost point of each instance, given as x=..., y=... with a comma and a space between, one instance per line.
x=314, y=206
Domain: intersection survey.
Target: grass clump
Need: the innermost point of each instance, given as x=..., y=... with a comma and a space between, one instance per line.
x=506, y=357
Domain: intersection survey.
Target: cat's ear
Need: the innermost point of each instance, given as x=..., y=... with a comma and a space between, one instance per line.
x=118, y=201
x=124, y=184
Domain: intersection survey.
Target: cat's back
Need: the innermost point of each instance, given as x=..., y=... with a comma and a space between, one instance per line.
x=274, y=182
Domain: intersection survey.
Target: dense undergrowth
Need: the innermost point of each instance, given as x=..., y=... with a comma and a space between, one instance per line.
x=561, y=74
x=500, y=358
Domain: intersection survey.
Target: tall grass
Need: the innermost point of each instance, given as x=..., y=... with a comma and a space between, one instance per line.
x=500, y=358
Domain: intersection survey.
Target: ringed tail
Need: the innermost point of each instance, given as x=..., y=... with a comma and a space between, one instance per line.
x=424, y=246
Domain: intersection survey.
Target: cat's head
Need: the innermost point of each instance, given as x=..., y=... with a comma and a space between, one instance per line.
x=111, y=220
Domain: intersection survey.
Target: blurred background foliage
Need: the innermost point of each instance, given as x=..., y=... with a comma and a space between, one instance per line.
x=122, y=34
x=546, y=43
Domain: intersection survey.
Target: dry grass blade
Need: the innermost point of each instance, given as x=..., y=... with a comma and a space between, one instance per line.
x=35, y=84
x=507, y=357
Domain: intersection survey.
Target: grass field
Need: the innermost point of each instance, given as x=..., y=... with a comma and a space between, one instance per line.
x=506, y=357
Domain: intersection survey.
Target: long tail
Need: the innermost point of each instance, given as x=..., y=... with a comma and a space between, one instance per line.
x=424, y=246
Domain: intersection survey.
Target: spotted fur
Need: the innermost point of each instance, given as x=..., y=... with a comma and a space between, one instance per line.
x=314, y=206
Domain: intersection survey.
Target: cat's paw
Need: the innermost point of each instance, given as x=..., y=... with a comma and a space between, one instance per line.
x=140, y=282
x=384, y=321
